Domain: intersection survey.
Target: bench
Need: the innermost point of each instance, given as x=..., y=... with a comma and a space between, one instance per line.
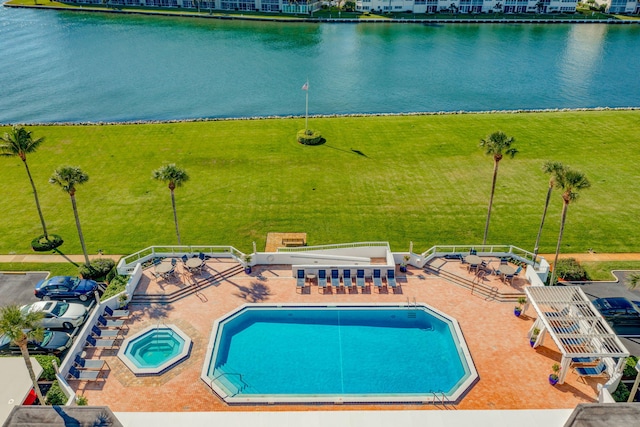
x=293, y=242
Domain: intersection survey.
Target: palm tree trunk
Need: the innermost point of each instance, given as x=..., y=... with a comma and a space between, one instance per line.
x=175, y=215
x=80, y=235
x=544, y=215
x=35, y=194
x=493, y=190
x=565, y=207
x=27, y=361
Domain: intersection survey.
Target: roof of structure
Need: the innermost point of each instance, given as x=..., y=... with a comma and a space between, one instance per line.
x=577, y=328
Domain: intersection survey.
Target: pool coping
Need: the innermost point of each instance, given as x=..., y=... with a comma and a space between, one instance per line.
x=434, y=397
x=160, y=369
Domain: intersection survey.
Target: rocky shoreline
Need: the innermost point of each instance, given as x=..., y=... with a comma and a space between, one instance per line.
x=321, y=116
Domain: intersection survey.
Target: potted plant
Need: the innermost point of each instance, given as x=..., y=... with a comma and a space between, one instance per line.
x=122, y=300
x=403, y=266
x=534, y=336
x=518, y=308
x=553, y=378
x=247, y=267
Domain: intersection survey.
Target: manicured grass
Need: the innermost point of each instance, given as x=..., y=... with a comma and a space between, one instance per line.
x=54, y=268
x=399, y=179
x=602, y=270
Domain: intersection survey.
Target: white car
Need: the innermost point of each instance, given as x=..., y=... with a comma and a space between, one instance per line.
x=58, y=314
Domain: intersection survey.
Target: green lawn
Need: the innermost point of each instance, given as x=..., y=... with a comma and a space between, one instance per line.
x=54, y=269
x=399, y=179
x=602, y=270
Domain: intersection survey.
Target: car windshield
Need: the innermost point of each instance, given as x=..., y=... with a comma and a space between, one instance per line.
x=74, y=282
x=47, y=337
x=60, y=309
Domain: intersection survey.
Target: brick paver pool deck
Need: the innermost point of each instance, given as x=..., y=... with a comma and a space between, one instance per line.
x=512, y=374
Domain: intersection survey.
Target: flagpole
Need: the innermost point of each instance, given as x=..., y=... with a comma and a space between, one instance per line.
x=306, y=112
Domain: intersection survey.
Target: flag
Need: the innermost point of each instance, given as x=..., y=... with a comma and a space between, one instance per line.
x=305, y=86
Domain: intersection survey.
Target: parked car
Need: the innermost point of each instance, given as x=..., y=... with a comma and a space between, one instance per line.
x=53, y=342
x=65, y=287
x=618, y=311
x=59, y=314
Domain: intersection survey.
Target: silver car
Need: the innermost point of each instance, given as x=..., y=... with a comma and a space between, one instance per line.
x=58, y=314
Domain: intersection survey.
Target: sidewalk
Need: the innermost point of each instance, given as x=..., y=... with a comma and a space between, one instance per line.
x=36, y=257
x=49, y=258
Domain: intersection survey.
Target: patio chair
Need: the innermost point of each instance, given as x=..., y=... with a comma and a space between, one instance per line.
x=184, y=259
x=346, y=279
x=360, y=282
x=201, y=256
x=105, y=333
x=391, y=278
x=504, y=261
x=377, y=279
x=89, y=365
x=156, y=261
x=473, y=252
x=518, y=270
x=300, y=281
x=322, y=279
x=335, y=279
x=596, y=371
x=584, y=360
x=83, y=375
x=100, y=343
x=110, y=323
x=108, y=312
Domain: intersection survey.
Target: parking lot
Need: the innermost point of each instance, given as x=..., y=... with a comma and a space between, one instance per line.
x=17, y=288
x=630, y=335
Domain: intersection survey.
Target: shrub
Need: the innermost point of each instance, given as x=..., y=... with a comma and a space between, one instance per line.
x=571, y=270
x=41, y=244
x=621, y=394
x=630, y=367
x=56, y=396
x=310, y=137
x=116, y=286
x=82, y=401
x=97, y=269
x=46, y=361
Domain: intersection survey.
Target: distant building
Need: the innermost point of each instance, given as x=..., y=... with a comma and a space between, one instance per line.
x=468, y=6
x=293, y=6
x=622, y=6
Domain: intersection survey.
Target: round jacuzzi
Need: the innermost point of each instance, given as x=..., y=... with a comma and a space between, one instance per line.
x=155, y=349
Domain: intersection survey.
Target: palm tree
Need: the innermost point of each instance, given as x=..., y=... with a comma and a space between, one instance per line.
x=551, y=168
x=498, y=144
x=19, y=327
x=67, y=177
x=175, y=177
x=18, y=142
x=570, y=182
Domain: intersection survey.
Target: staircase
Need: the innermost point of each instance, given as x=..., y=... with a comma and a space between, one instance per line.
x=477, y=288
x=193, y=286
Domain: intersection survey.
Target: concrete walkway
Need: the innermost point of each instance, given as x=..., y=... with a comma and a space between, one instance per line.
x=41, y=257
x=49, y=258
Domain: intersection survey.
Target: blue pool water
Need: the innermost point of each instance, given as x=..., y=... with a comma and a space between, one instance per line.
x=154, y=348
x=339, y=352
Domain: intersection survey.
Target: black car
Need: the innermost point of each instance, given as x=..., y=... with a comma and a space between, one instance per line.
x=53, y=342
x=618, y=311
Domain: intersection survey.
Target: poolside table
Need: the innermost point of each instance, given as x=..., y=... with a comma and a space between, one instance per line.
x=473, y=259
x=194, y=264
x=163, y=268
x=506, y=270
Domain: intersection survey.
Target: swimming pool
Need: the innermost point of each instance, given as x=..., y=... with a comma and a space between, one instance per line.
x=348, y=353
x=155, y=349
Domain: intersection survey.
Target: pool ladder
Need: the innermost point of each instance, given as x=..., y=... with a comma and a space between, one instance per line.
x=412, y=308
x=439, y=398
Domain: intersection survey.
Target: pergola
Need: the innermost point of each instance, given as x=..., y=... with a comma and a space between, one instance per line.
x=577, y=328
